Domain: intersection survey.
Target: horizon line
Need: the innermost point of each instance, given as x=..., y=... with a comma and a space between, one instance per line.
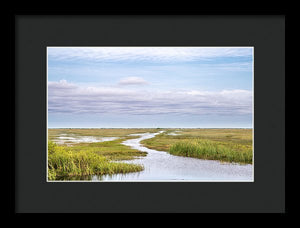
x=150, y=127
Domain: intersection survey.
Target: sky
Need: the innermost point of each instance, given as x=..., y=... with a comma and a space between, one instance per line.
x=141, y=87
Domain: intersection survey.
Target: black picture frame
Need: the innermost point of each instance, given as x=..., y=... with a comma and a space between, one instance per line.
x=33, y=33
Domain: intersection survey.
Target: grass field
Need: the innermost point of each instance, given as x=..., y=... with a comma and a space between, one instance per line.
x=105, y=132
x=76, y=158
x=65, y=161
x=229, y=145
x=80, y=159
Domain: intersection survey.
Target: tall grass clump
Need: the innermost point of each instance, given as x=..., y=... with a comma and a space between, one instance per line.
x=206, y=149
x=62, y=161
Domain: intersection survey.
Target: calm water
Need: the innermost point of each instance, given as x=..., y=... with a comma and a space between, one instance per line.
x=161, y=166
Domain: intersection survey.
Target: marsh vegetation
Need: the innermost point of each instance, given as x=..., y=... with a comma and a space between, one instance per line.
x=79, y=158
x=229, y=145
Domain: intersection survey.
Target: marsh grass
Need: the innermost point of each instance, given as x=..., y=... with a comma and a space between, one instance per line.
x=84, y=159
x=98, y=158
x=229, y=145
x=64, y=161
x=206, y=149
x=97, y=132
x=112, y=150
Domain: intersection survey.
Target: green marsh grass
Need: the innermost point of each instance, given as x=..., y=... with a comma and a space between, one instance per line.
x=206, y=149
x=112, y=150
x=228, y=145
x=64, y=161
x=82, y=159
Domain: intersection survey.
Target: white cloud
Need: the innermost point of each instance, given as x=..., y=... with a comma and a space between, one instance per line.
x=64, y=97
x=133, y=81
x=146, y=53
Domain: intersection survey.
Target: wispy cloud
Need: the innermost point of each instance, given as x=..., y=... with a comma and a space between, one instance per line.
x=64, y=97
x=146, y=53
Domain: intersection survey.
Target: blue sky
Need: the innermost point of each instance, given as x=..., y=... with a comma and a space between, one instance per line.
x=150, y=87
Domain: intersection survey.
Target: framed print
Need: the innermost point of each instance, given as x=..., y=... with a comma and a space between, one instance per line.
x=188, y=116
x=150, y=107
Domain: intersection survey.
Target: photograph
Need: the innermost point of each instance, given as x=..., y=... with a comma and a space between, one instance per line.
x=150, y=114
